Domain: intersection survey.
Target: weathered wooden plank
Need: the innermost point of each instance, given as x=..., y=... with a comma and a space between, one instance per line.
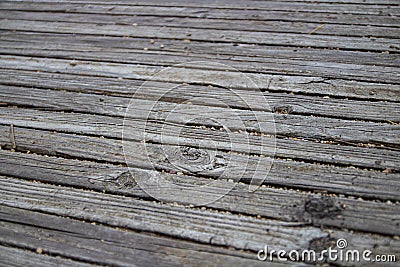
x=353, y=8
x=297, y=126
x=336, y=179
x=203, y=12
x=115, y=106
x=252, y=53
x=209, y=23
x=208, y=35
x=253, y=232
x=104, y=245
x=287, y=148
x=363, y=2
x=206, y=226
x=300, y=104
x=14, y=257
x=226, y=79
x=286, y=205
x=298, y=66
x=224, y=165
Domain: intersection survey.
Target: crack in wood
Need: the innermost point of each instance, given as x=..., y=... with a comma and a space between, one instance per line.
x=12, y=137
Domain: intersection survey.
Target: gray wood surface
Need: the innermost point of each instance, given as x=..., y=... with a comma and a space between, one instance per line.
x=128, y=214
x=69, y=69
x=350, y=181
x=298, y=65
x=267, y=202
x=379, y=135
x=252, y=53
x=273, y=83
x=92, y=100
x=10, y=256
x=103, y=245
x=333, y=7
x=203, y=12
x=232, y=36
x=221, y=24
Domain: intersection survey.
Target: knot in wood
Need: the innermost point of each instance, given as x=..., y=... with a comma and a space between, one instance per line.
x=192, y=159
x=121, y=180
x=193, y=155
x=321, y=243
x=125, y=180
x=322, y=207
x=283, y=109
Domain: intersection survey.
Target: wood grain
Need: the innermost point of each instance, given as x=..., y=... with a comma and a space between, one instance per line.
x=213, y=35
x=280, y=204
x=10, y=256
x=330, y=129
x=214, y=77
x=103, y=245
x=203, y=12
x=121, y=215
x=185, y=51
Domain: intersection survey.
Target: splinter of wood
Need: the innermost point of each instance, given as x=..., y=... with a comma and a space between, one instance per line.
x=12, y=137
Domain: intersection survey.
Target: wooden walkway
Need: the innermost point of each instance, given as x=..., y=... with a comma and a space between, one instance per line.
x=330, y=71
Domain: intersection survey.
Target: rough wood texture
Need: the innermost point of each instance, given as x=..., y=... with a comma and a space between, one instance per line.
x=14, y=257
x=69, y=69
x=87, y=102
x=102, y=245
x=220, y=229
x=299, y=66
x=273, y=83
x=286, y=205
x=221, y=24
x=286, y=125
x=346, y=43
x=197, y=12
x=350, y=181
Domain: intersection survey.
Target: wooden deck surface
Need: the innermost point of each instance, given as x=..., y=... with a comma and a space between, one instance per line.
x=70, y=195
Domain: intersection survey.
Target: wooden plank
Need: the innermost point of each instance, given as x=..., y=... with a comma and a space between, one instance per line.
x=14, y=257
x=313, y=105
x=372, y=184
x=203, y=12
x=287, y=125
x=201, y=23
x=252, y=53
x=115, y=106
x=104, y=245
x=226, y=79
x=293, y=219
x=287, y=205
x=208, y=35
x=363, y=2
x=257, y=5
x=121, y=215
x=297, y=66
x=206, y=226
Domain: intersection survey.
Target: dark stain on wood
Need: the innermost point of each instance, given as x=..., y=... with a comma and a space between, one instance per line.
x=322, y=243
x=283, y=109
x=322, y=207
